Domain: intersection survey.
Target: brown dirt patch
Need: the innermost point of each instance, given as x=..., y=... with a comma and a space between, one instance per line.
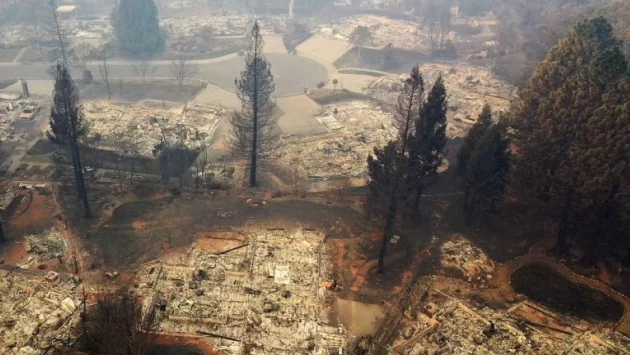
x=339, y=251
x=35, y=213
x=196, y=341
x=139, y=225
x=218, y=242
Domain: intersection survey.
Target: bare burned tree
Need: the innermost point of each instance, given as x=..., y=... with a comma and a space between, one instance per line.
x=36, y=26
x=127, y=144
x=116, y=325
x=103, y=68
x=437, y=18
x=58, y=35
x=252, y=128
x=180, y=135
x=81, y=54
x=201, y=166
x=143, y=68
x=182, y=69
x=132, y=148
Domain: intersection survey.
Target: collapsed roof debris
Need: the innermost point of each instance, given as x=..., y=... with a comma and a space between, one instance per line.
x=45, y=246
x=148, y=125
x=356, y=128
x=35, y=314
x=261, y=290
x=468, y=88
x=229, y=25
x=400, y=33
x=442, y=324
x=461, y=254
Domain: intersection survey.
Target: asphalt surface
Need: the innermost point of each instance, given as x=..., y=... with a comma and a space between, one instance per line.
x=291, y=73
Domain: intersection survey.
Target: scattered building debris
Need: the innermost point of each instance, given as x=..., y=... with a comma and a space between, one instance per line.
x=443, y=324
x=149, y=125
x=35, y=315
x=263, y=294
x=49, y=245
x=468, y=89
x=400, y=33
x=461, y=254
x=356, y=128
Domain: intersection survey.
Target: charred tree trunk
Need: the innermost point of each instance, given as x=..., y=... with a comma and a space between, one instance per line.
x=466, y=198
x=470, y=210
x=79, y=177
x=252, y=170
x=563, y=229
x=589, y=257
x=416, y=201
x=389, y=229
x=2, y=237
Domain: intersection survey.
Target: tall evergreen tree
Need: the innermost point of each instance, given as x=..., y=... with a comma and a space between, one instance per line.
x=603, y=172
x=388, y=166
x=484, y=165
x=67, y=125
x=556, y=122
x=484, y=121
x=426, y=152
x=252, y=132
x=137, y=27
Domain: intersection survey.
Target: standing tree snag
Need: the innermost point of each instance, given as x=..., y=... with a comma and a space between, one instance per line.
x=103, y=68
x=181, y=69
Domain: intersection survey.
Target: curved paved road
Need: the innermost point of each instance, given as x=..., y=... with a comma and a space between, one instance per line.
x=291, y=73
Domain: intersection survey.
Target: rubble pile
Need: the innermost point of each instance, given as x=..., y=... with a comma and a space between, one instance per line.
x=461, y=254
x=400, y=33
x=16, y=35
x=89, y=29
x=149, y=125
x=45, y=246
x=11, y=107
x=262, y=290
x=356, y=128
x=35, y=314
x=468, y=89
x=442, y=324
x=228, y=25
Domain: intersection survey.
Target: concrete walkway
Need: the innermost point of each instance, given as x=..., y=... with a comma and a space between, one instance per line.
x=20, y=54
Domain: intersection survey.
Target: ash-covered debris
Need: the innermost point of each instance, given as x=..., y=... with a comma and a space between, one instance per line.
x=440, y=323
x=469, y=89
x=356, y=128
x=37, y=314
x=263, y=292
x=461, y=254
x=149, y=125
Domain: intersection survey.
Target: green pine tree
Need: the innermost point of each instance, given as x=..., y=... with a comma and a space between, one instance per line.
x=67, y=127
x=556, y=125
x=429, y=140
x=484, y=121
x=137, y=28
x=484, y=165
